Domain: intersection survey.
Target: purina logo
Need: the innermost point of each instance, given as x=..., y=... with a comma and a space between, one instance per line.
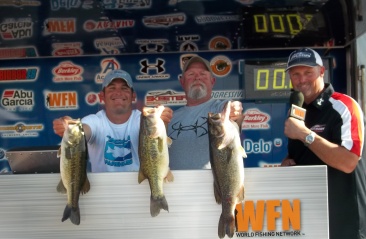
x=20, y=100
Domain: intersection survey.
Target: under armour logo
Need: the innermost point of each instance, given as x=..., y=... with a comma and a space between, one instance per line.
x=146, y=49
x=158, y=66
x=320, y=101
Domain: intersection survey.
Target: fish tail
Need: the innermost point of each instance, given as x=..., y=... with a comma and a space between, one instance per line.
x=73, y=213
x=156, y=204
x=226, y=226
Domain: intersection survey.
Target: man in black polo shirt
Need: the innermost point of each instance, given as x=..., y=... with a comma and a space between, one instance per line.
x=333, y=135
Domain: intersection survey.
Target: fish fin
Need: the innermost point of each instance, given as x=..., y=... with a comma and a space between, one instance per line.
x=217, y=193
x=86, y=186
x=141, y=176
x=73, y=213
x=243, y=154
x=61, y=188
x=59, y=153
x=169, y=141
x=241, y=194
x=156, y=204
x=226, y=226
x=169, y=177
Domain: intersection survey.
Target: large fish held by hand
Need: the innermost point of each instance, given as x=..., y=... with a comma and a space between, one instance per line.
x=73, y=163
x=226, y=158
x=154, y=157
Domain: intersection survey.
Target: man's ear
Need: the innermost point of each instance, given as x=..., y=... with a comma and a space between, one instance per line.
x=213, y=80
x=101, y=95
x=134, y=96
x=181, y=81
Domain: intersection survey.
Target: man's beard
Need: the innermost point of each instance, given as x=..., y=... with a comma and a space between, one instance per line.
x=197, y=92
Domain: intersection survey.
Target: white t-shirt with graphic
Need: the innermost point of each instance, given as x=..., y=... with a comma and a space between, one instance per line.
x=113, y=147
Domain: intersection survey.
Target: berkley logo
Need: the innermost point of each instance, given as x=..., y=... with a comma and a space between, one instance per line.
x=253, y=116
x=67, y=68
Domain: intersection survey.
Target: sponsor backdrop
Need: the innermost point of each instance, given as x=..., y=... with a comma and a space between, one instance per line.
x=54, y=55
x=36, y=91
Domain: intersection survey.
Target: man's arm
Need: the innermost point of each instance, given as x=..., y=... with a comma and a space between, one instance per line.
x=331, y=154
x=60, y=124
x=236, y=113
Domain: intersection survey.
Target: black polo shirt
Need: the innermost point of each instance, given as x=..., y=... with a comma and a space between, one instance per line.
x=339, y=119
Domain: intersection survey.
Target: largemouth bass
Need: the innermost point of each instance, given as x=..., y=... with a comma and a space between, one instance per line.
x=226, y=158
x=73, y=163
x=154, y=157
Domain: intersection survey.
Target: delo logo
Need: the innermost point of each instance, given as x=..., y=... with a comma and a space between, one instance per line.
x=260, y=147
x=67, y=4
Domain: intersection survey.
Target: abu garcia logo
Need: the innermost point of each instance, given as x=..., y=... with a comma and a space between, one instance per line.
x=18, y=98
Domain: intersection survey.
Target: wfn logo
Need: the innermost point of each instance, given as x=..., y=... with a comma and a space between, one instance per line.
x=62, y=100
x=254, y=215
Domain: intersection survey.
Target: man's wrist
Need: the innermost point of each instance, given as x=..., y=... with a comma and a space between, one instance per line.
x=309, y=139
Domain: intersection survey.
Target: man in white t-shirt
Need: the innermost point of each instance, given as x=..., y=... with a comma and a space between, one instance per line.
x=112, y=133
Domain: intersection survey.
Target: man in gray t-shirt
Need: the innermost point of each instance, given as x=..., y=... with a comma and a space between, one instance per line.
x=188, y=127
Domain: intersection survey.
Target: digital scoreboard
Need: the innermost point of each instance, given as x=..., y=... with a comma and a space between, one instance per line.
x=266, y=79
x=284, y=27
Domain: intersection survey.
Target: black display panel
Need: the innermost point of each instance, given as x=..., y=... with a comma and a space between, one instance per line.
x=268, y=80
x=284, y=27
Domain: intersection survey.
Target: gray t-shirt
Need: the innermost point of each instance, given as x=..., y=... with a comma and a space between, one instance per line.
x=188, y=130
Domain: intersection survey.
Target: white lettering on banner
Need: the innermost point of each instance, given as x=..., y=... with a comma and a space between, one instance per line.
x=257, y=147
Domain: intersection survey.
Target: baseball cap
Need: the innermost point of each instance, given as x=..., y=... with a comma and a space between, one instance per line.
x=197, y=59
x=117, y=74
x=304, y=57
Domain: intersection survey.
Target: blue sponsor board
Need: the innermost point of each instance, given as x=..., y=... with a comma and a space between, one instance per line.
x=35, y=92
